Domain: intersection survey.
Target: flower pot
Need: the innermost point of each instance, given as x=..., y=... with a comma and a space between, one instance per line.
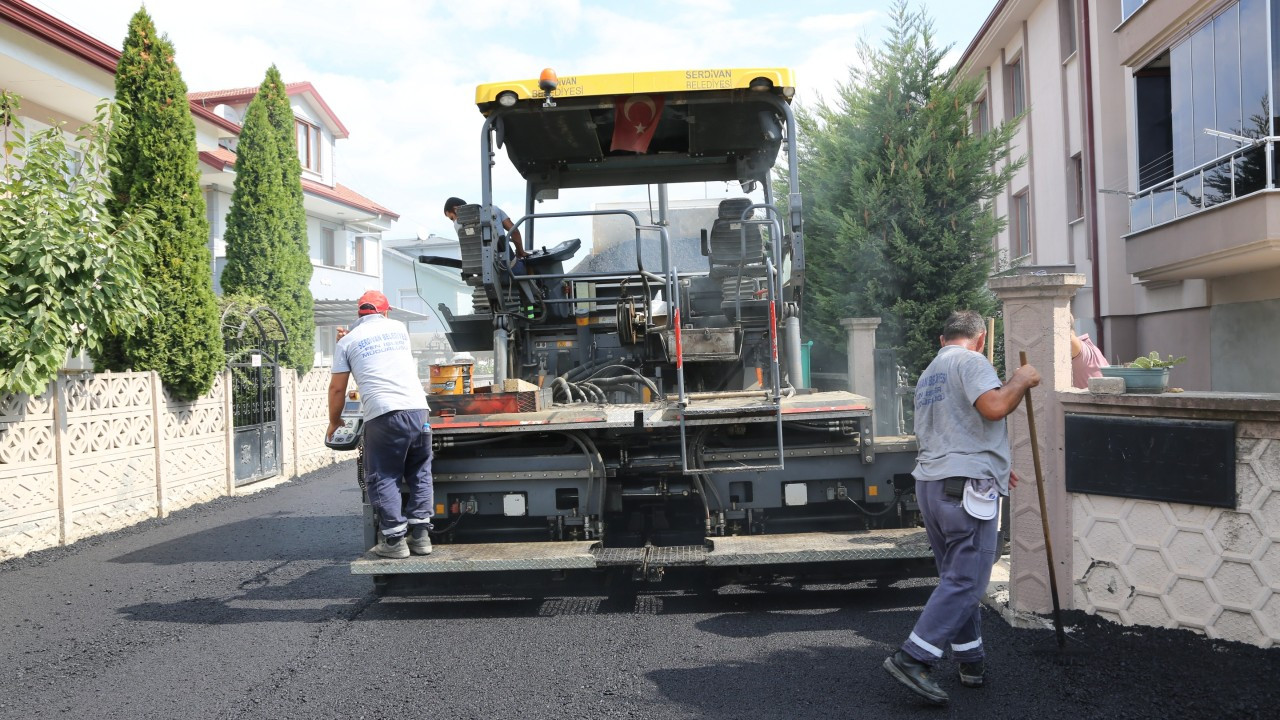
x=1139, y=380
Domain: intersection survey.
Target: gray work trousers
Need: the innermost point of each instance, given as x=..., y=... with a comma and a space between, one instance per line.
x=397, y=446
x=965, y=549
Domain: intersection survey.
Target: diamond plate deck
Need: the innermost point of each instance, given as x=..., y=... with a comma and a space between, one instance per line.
x=818, y=547
x=678, y=556
x=619, y=557
x=719, y=552
x=484, y=557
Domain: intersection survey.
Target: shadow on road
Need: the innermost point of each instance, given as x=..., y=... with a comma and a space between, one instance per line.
x=801, y=683
x=737, y=613
x=270, y=537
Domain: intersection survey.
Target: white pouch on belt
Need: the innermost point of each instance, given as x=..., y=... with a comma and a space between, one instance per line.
x=981, y=499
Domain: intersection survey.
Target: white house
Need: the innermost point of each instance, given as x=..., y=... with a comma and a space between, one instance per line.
x=344, y=227
x=62, y=74
x=418, y=288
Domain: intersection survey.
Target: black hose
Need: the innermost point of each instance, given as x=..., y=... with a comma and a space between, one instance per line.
x=451, y=526
x=885, y=511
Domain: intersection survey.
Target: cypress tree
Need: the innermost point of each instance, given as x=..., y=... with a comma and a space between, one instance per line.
x=156, y=167
x=897, y=193
x=267, y=248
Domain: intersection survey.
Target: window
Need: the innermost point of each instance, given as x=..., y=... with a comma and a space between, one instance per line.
x=412, y=302
x=308, y=145
x=1075, y=203
x=355, y=252
x=1020, y=225
x=981, y=116
x=330, y=247
x=1067, y=27
x=1015, y=90
x=1216, y=79
x=1129, y=7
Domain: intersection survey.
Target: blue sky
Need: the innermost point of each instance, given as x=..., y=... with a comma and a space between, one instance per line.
x=401, y=74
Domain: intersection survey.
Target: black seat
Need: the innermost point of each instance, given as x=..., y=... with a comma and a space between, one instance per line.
x=726, y=245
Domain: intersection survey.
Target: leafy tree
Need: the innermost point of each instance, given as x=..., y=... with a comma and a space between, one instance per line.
x=155, y=142
x=67, y=279
x=267, y=248
x=897, y=193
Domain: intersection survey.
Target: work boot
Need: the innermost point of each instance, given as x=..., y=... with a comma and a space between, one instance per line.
x=915, y=675
x=392, y=547
x=420, y=539
x=973, y=674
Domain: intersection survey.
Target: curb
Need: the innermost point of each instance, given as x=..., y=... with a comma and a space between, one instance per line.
x=997, y=598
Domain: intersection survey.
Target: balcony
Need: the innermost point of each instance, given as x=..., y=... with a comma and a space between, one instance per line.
x=1221, y=218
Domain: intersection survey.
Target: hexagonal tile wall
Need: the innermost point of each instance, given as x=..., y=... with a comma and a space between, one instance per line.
x=1237, y=533
x=1190, y=603
x=1189, y=553
x=1147, y=523
x=1237, y=585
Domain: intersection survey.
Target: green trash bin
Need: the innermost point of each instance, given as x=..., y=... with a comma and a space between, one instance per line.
x=806, y=351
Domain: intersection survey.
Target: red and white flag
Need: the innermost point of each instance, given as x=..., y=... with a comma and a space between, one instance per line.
x=635, y=120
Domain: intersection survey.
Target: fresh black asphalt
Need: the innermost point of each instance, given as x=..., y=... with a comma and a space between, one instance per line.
x=244, y=608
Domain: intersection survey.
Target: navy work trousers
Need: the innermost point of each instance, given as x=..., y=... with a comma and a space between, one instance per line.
x=397, y=446
x=965, y=549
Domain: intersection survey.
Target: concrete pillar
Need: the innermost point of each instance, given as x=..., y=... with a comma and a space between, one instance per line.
x=861, y=345
x=1037, y=311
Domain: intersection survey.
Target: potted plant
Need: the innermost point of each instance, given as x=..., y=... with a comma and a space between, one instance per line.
x=1146, y=374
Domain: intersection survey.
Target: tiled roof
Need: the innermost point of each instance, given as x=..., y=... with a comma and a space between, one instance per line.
x=238, y=93
x=222, y=159
x=93, y=51
x=211, y=98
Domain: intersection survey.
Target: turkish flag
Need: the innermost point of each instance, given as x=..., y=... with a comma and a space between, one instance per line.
x=635, y=118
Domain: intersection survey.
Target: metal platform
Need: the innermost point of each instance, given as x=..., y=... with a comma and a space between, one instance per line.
x=818, y=547
x=738, y=551
x=828, y=405
x=484, y=557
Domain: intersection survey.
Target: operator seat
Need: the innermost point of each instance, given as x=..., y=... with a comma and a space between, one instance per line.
x=471, y=244
x=738, y=266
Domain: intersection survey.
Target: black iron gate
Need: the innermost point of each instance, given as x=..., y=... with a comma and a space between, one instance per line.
x=253, y=339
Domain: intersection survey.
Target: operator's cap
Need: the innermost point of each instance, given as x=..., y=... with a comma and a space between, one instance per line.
x=981, y=499
x=372, y=302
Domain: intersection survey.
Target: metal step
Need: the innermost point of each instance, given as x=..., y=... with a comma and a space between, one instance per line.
x=484, y=557
x=818, y=547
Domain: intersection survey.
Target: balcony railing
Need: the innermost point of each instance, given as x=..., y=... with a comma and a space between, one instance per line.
x=1243, y=171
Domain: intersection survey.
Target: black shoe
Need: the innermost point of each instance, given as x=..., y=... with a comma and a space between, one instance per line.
x=974, y=674
x=915, y=675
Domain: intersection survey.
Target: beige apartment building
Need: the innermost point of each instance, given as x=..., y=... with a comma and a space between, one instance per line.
x=1151, y=170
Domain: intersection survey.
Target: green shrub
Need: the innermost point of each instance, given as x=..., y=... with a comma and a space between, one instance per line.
x=157, y=167
x=67, y=279
x=267, y=248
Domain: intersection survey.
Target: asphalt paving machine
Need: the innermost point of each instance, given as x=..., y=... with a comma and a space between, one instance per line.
x=651, y=419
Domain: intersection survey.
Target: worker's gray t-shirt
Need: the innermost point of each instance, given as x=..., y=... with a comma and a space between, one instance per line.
x=955, y=440
x=377, y=353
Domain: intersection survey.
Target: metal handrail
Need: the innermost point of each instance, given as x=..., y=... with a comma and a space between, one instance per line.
x=1148, y=195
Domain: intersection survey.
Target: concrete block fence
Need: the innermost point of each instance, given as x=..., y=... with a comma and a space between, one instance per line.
x=98, y=452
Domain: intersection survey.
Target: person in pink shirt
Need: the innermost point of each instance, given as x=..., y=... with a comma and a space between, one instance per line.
x=1086, y=359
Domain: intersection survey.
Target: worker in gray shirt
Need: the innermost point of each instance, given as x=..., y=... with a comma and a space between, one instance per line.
x=962, y=469
x=397, y=438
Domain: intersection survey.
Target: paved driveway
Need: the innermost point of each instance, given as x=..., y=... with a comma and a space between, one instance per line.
x=244, y=608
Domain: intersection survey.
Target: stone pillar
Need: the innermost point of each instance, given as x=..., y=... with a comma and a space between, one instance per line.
x=1037, y=310
x=862, y=358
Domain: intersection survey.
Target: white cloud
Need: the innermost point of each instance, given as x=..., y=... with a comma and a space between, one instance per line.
x=401, y=74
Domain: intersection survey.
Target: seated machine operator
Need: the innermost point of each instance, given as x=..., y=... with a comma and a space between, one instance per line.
x=517, y=242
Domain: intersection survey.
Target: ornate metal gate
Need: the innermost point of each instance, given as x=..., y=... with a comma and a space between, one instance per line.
x=253, y=339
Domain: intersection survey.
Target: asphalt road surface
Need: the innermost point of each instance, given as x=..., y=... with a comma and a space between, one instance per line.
x=244, y=608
